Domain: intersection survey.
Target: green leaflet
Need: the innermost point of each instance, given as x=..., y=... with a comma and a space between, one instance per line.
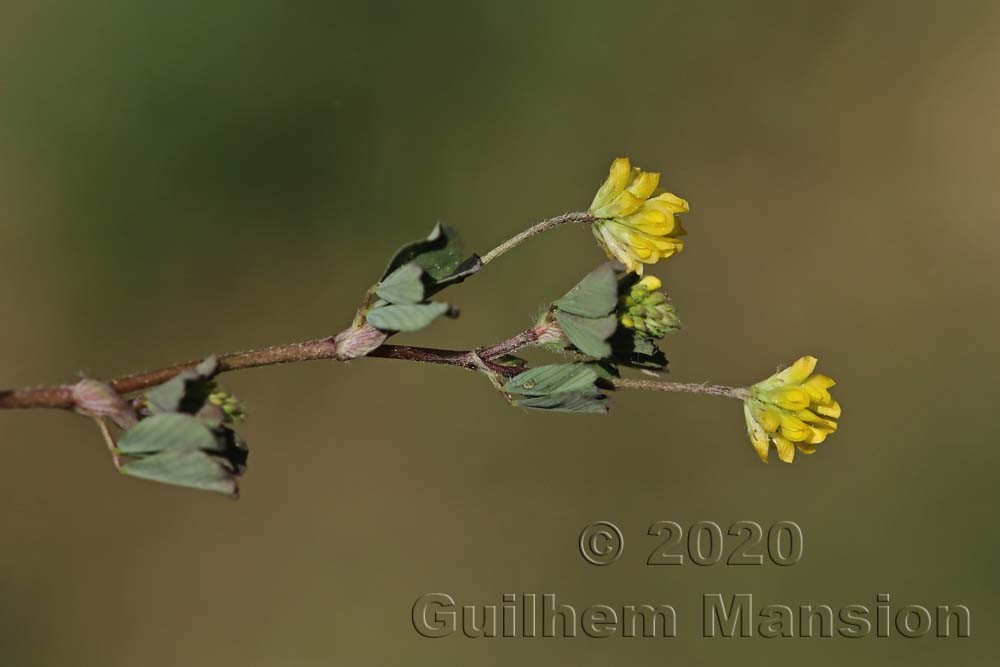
x=406, y=317
x=440, y=256
x=165, y=432
x=416, y=272
x=183, y=439
x=560, y=388
x=594, y=296
x=573, y=401
x=404, y=285
x=586, y=314
x=191, y=468
x=553, y=379
x=589, y=335
x=186, y=392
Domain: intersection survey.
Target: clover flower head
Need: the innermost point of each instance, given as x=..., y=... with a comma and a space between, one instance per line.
x=631, y=225
x=793, y=409
x=647, y=310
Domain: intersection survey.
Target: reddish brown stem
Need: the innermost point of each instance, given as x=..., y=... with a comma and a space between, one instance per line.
x=61, y=396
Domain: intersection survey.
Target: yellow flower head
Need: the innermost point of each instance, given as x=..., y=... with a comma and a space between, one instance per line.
x=632, y=226
x=793, y=409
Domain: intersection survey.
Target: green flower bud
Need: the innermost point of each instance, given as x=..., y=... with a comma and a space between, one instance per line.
x=647, y=310
x=231, y=406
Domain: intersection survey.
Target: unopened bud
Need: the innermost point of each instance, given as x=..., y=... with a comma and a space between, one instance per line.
x=232, y=407
x=648, y=311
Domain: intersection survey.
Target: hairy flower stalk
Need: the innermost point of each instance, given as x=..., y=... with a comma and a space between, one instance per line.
x=176, y=426
x=535, y=230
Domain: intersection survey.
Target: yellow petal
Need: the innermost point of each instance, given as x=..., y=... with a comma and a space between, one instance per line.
x=797, y=372
x=654, y=222
x=817, y=435
x=644, y=184
x=786, y=450
x=633, y=237
x=792, y=398
x=673, y=203
x=814, y=420
x=758, y=437
x=650, y=283
x=769, y=419
x=820, y=380
x=806, y=448
x=664, y=244
x=830, y=410
x=611, y=245
x=795, y=429
x=817, y=386
x=625, y=203
x=618, y=177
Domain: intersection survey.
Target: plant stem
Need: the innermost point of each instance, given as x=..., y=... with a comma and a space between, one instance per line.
x=534, y=230
x=509, y=346
x=690, y=388
x=62, y=397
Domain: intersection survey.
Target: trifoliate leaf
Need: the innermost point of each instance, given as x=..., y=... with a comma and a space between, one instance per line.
x=588, y=334
x=186, y=392
x=190, y=468
x=404, y=285
x=184, y=440
x=553, y=379
x=168, y=431
x=594, y=296
x=573, y=401
x=406, y=317
x=441, y=257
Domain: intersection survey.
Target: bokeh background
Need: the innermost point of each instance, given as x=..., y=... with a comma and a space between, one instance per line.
x=184, y=178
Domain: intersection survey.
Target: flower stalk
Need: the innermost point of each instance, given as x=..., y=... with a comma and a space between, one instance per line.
x=536, y=229
x=739, y=393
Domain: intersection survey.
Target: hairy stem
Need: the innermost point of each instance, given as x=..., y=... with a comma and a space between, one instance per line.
x=509, y=346
x=690, y=388
x=544, y=225
x=62, y=396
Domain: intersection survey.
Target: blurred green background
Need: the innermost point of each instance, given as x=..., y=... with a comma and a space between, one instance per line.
x=184, y=178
